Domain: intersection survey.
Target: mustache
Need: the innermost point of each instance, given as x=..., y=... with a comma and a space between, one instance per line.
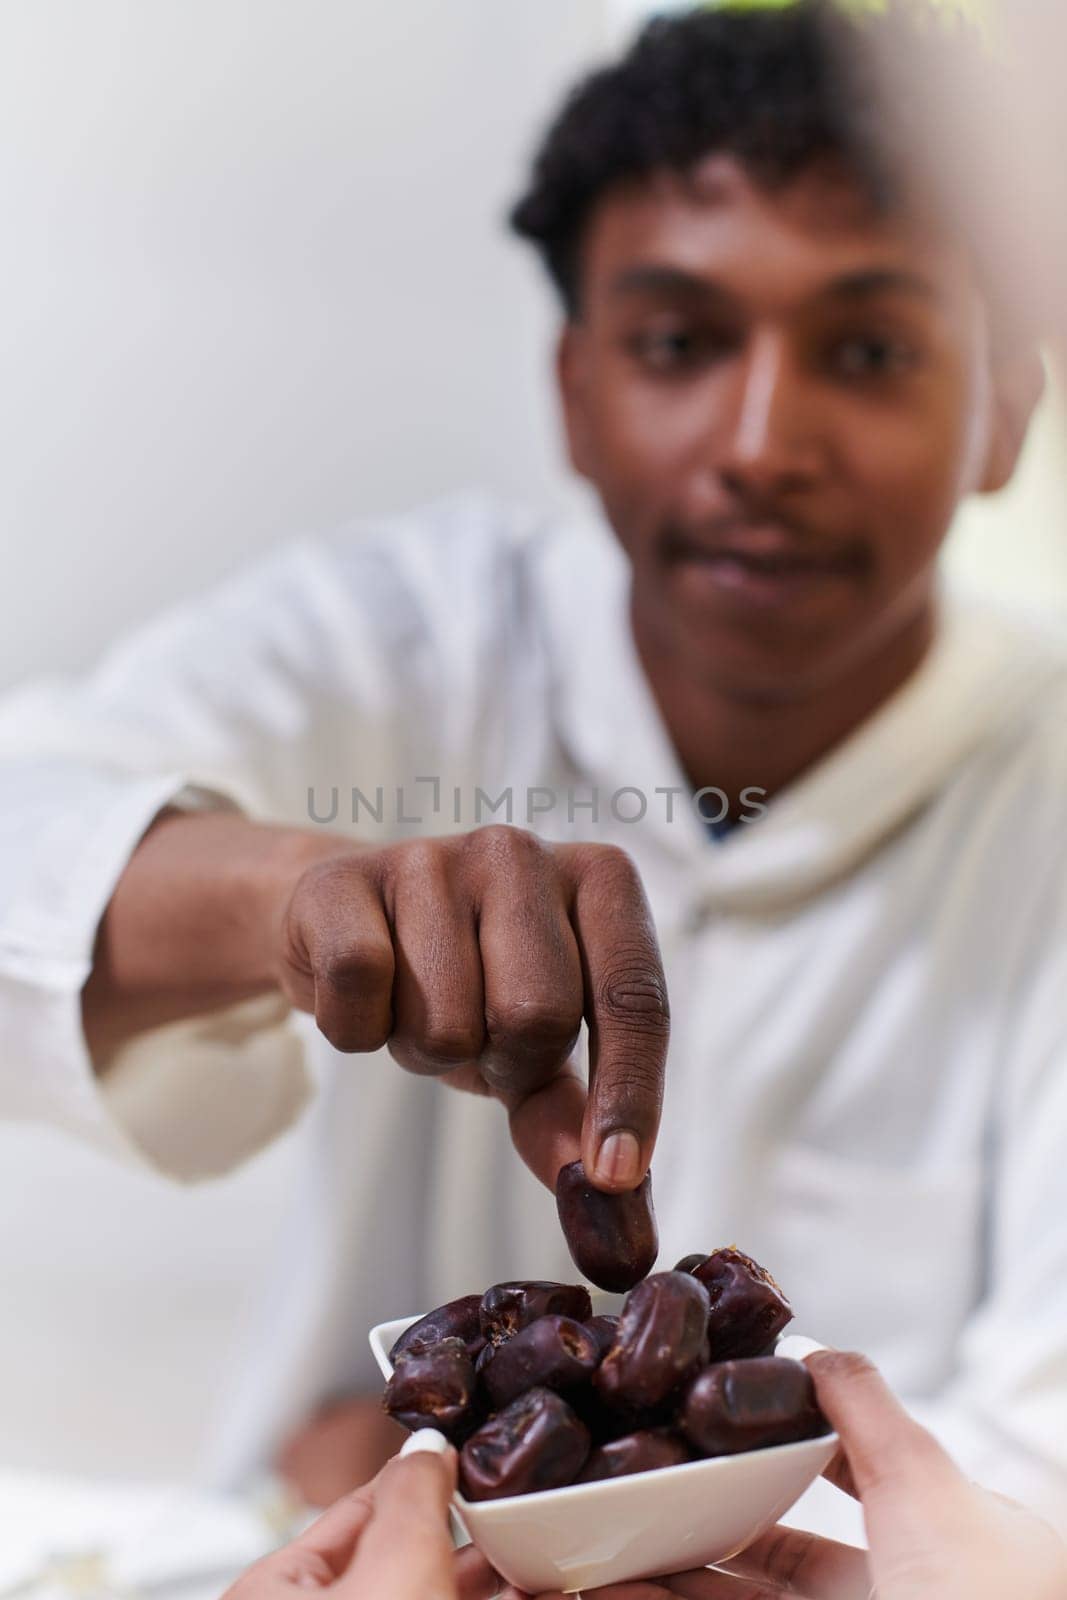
x=738, y=531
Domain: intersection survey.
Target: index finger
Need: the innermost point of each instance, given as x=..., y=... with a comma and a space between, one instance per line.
x=627, y=1014
x=314, y=1559
x=546, y=1126
x=803, y=1563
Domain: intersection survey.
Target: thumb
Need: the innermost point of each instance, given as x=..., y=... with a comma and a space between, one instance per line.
x=406, y=1550
x=889, y=1453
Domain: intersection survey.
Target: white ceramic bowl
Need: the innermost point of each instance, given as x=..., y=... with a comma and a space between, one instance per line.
x=621, y=1529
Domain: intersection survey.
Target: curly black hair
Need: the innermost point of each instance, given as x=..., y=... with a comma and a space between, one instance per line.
x=779, y=89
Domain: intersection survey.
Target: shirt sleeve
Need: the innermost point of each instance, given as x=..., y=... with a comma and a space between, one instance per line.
x=248, y=698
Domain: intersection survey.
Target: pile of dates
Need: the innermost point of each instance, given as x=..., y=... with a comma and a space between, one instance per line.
x=538, y=1393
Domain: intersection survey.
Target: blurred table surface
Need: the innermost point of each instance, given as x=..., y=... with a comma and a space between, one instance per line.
x=65, y=1536
x=62, y=1537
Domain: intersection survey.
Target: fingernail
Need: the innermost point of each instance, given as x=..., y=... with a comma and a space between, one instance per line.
x=426, y=1442
x=619, y=1160
x=794, y=1347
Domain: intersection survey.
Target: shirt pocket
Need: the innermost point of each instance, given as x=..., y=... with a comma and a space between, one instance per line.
x=886, y=1260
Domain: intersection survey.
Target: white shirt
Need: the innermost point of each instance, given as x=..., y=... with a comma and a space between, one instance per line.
x=868, y=1067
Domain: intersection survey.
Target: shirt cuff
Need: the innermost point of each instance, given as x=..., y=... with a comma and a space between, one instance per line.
x=197, y=1098
x=192, y=1099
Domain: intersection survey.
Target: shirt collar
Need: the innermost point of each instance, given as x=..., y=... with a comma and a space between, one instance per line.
x=980, y=673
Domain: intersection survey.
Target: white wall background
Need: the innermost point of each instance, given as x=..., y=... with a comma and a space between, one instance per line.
x=252, y=280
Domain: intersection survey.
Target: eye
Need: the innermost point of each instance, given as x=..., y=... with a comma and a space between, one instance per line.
x=874, y=356
x=674, y=349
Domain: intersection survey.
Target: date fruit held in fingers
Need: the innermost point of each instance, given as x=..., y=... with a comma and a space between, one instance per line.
x=612, y=1238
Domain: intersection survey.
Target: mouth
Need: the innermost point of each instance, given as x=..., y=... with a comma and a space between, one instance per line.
x=763, y=566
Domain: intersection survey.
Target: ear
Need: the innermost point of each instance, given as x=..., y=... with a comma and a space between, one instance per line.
x=571, y=377
x=1018, y=385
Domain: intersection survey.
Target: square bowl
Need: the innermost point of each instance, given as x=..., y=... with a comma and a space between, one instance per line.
x=621, y=1529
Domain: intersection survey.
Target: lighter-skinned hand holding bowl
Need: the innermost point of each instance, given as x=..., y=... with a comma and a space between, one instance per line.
x=933, y=1535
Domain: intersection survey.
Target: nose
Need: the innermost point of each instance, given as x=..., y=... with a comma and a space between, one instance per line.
x=770, y=445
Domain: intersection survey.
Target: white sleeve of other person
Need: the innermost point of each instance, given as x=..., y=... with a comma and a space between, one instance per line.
x=1004, y=1412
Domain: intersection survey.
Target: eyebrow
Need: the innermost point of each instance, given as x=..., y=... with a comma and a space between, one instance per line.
x=867, y=284
x=881, y=280
x=654, y=279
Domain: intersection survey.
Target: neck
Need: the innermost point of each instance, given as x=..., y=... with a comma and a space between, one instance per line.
x=731, y=743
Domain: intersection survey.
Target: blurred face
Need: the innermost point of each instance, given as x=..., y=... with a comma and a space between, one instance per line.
x=780, y=400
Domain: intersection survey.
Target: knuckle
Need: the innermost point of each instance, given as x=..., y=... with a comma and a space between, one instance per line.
x=452, y=1044
x=351, y=1035
x=788, y=1554
x=352, y=992
x=609, y=862
x=321, y=880
x=419, y=858
x=431, y=1058
x=533, y=1022
x=844, y=1366
x=292, y=1566
x=636, y=1083
x=411, y=1060
x=500, y=843
x=613, y=858
x=356, y=972
x=303, y=1569
x=633, y=995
